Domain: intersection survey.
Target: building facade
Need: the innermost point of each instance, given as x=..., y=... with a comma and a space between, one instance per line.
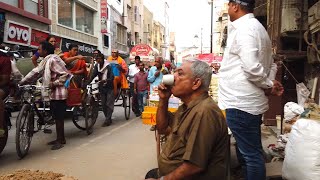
x=147, y=26
x=25, y=23
x=76, y=22
x=118, y=31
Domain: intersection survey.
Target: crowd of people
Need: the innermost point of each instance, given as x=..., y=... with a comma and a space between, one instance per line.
x=197, y=133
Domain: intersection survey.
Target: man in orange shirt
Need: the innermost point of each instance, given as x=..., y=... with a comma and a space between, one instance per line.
x=120, y=70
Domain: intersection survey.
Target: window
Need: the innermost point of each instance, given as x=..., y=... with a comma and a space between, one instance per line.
x=84, y=19
x=31, y=6
x=121, y=34
x=106, y=41
x=65, y=16
x=11, y=2
x=136, y=14
x=81, y=19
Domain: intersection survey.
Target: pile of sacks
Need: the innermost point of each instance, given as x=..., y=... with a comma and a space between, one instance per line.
x=302, y=151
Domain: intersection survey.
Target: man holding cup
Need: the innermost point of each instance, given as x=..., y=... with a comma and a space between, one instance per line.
x=197, y=143
x=156, y=73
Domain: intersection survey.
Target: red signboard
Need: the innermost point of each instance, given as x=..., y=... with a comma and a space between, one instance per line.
x=39, y=36
x=104, y=15
x=17, y=33
x=209, y=58
x=141, y=50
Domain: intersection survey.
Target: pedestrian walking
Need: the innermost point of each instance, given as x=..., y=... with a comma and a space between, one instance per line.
x=247, y=75
x=104, y=72
x=52, y=69
x=141, y=85
x=197, y=141
x=133, y=70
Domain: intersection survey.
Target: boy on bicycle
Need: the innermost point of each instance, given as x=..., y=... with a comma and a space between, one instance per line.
x=103, y=70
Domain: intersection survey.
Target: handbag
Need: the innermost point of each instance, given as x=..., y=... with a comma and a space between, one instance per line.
x=74, y=95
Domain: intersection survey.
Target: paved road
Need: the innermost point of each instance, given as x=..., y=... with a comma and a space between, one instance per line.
x=124, y=150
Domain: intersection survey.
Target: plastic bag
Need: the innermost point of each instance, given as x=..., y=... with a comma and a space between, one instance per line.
x=302, y=93
x=302, y=154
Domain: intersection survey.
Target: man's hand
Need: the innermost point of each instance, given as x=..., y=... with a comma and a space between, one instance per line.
x=157, y=74
x=164, y=91
x=276, y=90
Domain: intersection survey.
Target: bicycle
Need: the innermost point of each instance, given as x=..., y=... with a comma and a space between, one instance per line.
x=85, y=116
x=26, y=118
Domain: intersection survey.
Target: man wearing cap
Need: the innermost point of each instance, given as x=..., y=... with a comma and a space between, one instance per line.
x=247, y=76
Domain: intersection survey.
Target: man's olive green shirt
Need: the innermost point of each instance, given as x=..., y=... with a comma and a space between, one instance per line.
x=199, y=136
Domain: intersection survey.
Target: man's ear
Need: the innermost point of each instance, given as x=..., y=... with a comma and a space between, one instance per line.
x=196, y=84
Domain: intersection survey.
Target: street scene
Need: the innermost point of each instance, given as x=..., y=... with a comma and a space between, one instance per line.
x=159, y=89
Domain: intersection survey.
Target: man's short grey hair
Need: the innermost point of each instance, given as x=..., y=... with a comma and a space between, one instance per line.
x=201, y=70
x=160, y=59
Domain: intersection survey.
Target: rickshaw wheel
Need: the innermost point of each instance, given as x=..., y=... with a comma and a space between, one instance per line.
x=78, y=117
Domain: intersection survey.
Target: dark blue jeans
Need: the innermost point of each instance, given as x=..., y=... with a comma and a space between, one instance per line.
x=246, y=130
x=142, y=100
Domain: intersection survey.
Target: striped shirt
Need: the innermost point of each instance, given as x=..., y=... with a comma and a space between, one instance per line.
x=59, y=75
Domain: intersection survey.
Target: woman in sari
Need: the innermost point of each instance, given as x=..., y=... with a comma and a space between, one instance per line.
x=76, y=65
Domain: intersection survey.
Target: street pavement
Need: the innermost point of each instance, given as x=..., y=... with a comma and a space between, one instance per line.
x=124, y=150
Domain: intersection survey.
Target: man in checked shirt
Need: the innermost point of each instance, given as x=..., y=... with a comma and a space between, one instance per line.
x=54, y=74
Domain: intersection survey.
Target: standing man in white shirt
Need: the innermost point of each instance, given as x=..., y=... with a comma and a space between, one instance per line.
x=247, y=76
x=133, y=70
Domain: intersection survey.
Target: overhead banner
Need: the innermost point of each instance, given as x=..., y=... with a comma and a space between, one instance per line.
x=104, y=15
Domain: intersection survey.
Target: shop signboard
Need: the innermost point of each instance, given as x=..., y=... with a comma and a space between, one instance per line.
x=104, y=15
x=84, y=49
x=17, y=33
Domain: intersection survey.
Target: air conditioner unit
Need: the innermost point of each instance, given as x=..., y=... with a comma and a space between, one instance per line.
x=133, y=43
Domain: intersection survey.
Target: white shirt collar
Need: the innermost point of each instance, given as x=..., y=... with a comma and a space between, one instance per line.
x=237, y=23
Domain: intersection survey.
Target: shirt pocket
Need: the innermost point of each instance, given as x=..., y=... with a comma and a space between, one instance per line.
x=175, y=147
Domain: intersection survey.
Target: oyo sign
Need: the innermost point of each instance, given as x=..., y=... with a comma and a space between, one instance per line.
x=17, y=33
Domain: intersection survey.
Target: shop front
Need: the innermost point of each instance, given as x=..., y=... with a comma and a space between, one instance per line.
x=84, y=49
x=25, y=36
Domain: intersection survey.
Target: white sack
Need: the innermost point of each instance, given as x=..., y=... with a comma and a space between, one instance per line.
x=291, y=110
x=302, y=154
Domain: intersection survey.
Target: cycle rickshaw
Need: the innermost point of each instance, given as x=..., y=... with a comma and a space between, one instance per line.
x=35, y=115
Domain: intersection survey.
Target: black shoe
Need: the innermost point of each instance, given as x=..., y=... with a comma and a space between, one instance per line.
x=107, y=123
x=138, y=114
x=57, y=146
x=55, y=142
x=153, y=128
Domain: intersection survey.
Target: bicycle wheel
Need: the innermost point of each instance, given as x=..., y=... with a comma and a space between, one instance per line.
x=78, y=117
x=24, y=131
x=92, y=111
x=4, y=136
x=126, y=104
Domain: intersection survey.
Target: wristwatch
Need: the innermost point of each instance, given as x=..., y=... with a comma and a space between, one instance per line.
x=162, y=178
